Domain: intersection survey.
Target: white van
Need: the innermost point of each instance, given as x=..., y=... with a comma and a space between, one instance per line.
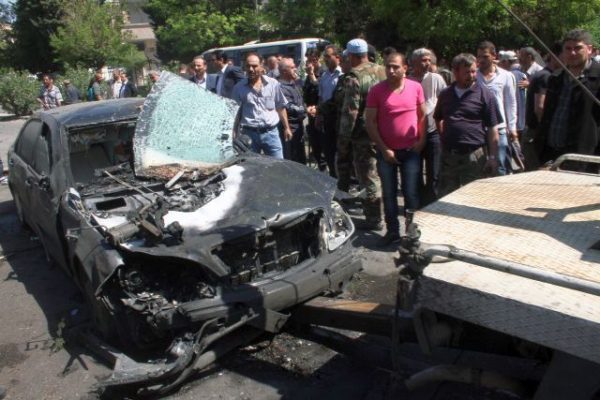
x=293, y=48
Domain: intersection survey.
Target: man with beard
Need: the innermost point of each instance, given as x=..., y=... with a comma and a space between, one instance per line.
x=467, y=117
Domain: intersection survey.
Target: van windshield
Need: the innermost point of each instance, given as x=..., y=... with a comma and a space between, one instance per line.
x=183, y=124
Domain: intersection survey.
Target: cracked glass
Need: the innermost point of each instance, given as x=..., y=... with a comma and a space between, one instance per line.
x=183, y=124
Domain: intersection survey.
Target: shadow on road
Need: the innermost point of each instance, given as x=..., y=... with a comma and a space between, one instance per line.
x=58, y=299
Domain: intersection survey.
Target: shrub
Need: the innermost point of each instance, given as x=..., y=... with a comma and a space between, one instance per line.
x=18, y=92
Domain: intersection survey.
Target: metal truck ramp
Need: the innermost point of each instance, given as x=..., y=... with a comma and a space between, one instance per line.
x=544, y=219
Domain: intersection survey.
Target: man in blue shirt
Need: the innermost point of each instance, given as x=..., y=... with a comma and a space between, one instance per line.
x=262, y=108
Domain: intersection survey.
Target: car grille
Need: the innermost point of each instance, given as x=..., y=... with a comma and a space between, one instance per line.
x=269, y=252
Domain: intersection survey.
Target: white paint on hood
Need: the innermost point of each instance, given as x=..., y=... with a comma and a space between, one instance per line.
x=208, y=215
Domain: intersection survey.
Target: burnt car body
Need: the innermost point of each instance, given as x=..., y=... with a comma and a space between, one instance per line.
x=170, y=256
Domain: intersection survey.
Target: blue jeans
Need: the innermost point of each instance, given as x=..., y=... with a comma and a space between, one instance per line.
x=267, y=142
x=409, y=164
x=503, y=163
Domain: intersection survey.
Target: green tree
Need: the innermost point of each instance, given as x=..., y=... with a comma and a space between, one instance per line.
x=91, y=36
x=18, y=92
x=6, y=18
x=185, y=29
x=453, y=26
x=35, y=21
x=329, y=19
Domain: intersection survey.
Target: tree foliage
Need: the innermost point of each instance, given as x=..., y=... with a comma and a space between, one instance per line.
x=35, y=21
x=18, y=92
x=331, y=19
x=91, y=36
x=453, y=26
x=185, y=29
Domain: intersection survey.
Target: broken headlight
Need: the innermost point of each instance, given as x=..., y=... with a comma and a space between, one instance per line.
x=341, y=227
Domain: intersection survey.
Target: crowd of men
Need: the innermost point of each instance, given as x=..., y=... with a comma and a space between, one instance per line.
x=119, y=86
x=410, y=122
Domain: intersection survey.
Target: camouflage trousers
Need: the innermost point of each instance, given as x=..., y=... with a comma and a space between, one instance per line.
x=360, y=155
x=459, y=169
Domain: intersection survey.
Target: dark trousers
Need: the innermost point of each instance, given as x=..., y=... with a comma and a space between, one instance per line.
x=315, y=139
x=330, y=142
x=432, y=158
x=293, y=149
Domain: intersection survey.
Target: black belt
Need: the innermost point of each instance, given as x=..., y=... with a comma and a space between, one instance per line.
x=259, y=129
x=462, y=150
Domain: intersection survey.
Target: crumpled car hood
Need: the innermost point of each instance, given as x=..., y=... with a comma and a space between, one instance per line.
x=259, y=192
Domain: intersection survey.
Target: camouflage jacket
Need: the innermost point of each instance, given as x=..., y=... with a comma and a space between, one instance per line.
x=356, y=87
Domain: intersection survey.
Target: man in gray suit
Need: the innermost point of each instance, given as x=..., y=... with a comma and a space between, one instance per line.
x=227, y=75
x=200, y=77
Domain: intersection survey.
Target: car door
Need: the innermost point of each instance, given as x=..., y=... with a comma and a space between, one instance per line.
x=43, y=200
x=20, y=160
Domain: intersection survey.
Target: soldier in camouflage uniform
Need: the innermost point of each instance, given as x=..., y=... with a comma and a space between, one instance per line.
x=354, y=146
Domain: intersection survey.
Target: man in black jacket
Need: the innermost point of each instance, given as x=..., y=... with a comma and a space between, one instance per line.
x=227, y=75
x=128, y=89
x=571, y=116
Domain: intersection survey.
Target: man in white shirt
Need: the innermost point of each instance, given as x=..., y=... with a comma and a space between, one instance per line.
x=503, y=85
x=433, y=84
x=115, y=84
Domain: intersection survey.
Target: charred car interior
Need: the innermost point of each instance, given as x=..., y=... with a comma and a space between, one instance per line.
x=175, y=234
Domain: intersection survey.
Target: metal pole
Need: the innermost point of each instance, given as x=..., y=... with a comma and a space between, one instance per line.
x=512, y=268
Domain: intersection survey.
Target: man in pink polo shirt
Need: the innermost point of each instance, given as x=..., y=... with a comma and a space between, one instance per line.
x=395, y=118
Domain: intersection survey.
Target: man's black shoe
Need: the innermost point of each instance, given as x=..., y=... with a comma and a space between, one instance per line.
x=368, y=225
x=388, y=238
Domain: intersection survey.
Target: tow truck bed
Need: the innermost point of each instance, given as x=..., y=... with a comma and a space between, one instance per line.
x=545, y=219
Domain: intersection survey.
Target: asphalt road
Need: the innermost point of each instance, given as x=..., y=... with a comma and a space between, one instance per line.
x=39, y=307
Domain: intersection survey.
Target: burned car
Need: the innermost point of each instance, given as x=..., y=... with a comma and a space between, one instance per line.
x=177, y=235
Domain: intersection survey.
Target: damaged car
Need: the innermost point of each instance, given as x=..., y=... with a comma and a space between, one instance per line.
x=182, y=240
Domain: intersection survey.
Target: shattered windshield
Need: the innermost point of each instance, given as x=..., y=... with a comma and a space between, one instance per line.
x=183, y=124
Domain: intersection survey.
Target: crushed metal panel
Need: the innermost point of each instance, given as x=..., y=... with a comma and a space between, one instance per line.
x=183, y=124
x=548, y=220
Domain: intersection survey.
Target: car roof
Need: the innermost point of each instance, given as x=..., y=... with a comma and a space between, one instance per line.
x=94, y=112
